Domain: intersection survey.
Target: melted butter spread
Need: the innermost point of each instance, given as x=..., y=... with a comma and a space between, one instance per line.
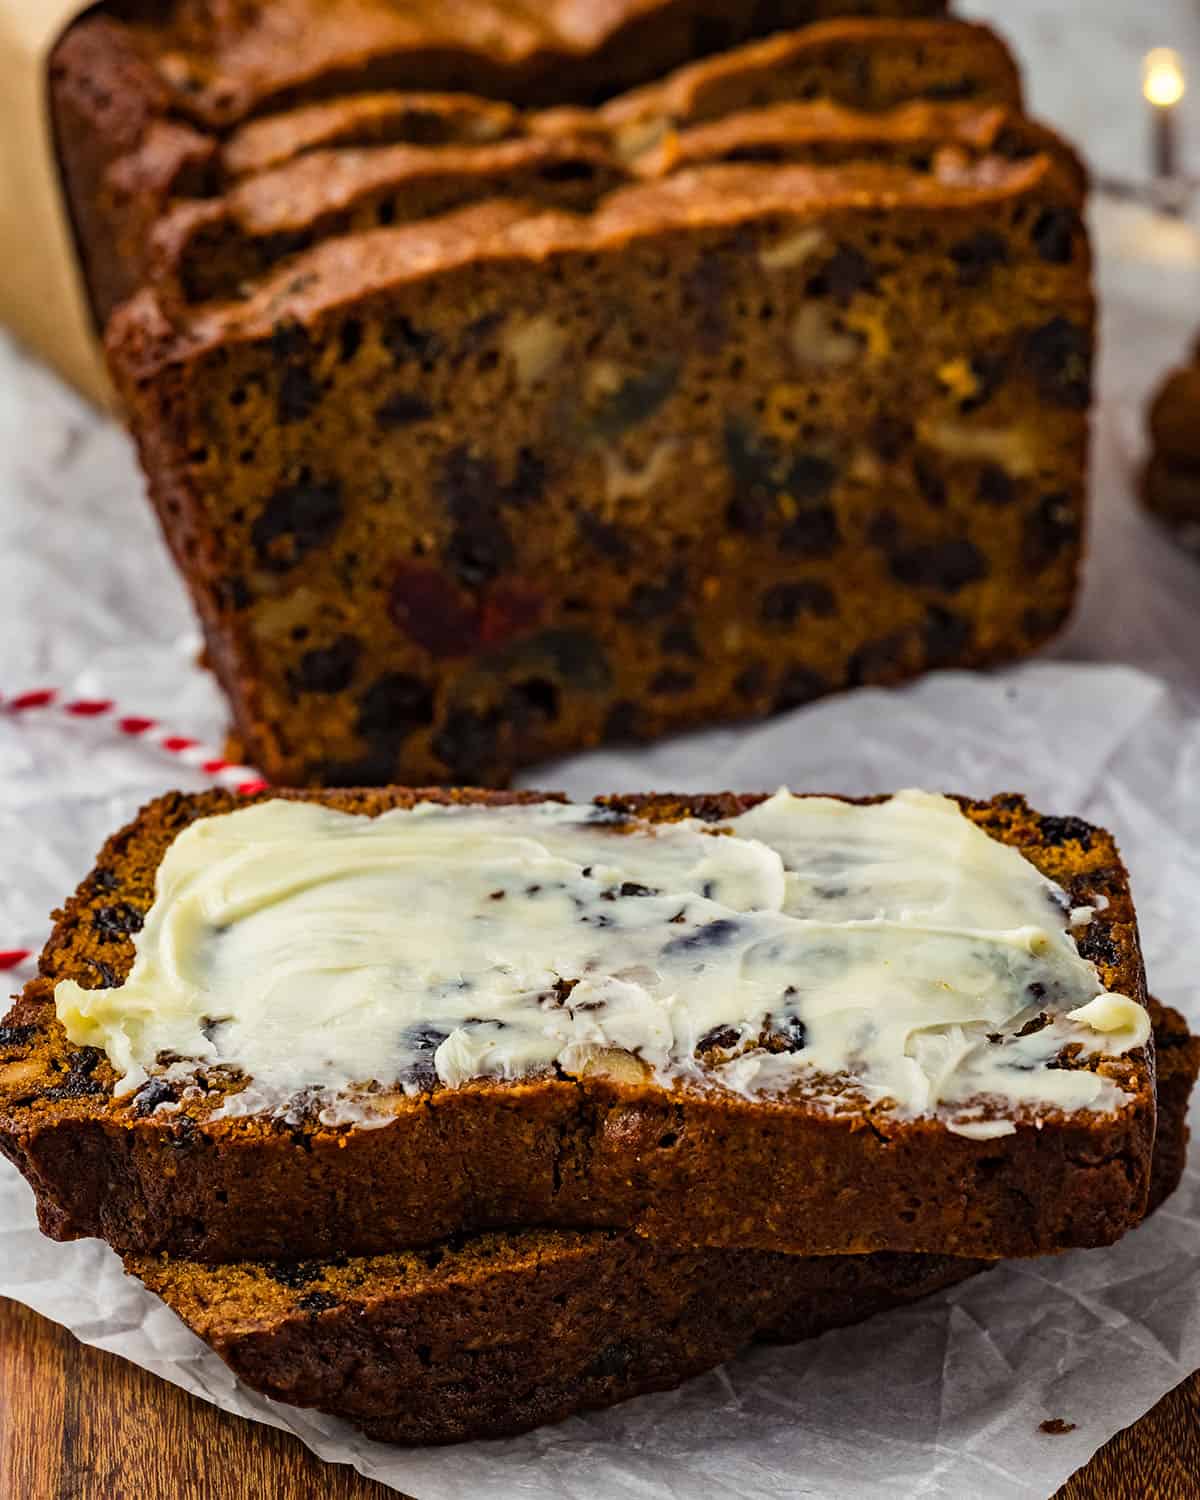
x=891, y=955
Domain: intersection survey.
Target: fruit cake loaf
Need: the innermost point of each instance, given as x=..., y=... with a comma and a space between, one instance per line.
x=1171, y=482
x=491, y=1334
x=140, y=95
x=463, y=1090
x=460, y=495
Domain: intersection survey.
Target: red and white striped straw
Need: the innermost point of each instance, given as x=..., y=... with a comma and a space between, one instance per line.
x=189, y=752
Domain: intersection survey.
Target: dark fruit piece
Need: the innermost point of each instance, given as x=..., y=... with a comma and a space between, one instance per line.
x=467, y=744
x=650, y=601
x=785, y=602
x=393, y=706
x=294, y=520
x=298, y=394
x=480, y=546
x=995, y=486
x=1054, y=235
x=402, y=410
x=947, y=565
x=1059, y=356
x=800, y=685
x=843, y=276
x=978, y=256
x=947, y=636
x=1052, y=526
x=117, y=921
x=328, y=669
x=430, y=609
x=880, y=660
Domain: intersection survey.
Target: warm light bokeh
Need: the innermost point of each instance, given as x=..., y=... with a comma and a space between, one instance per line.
x=1162, y=77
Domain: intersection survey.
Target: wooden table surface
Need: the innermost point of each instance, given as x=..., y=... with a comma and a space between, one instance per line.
x=78, y=1424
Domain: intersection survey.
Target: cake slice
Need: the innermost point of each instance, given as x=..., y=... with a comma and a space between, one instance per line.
x=939, y=138
x=389, y=118
x=215, y=248
x=864, y=64
x=461, y=495
x=490, y=1335
x=366, y=1020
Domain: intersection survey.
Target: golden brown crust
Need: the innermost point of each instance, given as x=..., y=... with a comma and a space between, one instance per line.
x=127, y=82
x=215, y=248
x=679, y=1167
x=384, y=119
x=499, y=1332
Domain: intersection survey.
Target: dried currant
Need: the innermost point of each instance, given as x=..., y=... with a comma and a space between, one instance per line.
x=670, y=682
x=468, y=743
x=1059, y=357
x=947, y=636
x=403, y=409
x=117, y=921
x=785, y=602
x=404, y=341
x=798, y=686
x=294, y=520
x=1051, y=527
x=603, y=537
x=480, y=546
x=393, y=706
x=812, y=532
x=995, y=486
x=978, y=256
x=349, y=339
x=679, y=639
x=846, y=273
x=298, y=394
x=316, y=1302
x=650, y=601
x=1057, y=831
x=704, y=287
x=622, y=723
x=151, y=1095
x=881, y=660
x=328, y=669
x=949, y=565
x=1054, y=235
x=536, y=700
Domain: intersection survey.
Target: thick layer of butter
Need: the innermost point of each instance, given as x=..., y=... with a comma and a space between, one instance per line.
x=894, y=948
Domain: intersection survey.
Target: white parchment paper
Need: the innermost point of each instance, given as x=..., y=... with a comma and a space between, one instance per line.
x=943, y=1399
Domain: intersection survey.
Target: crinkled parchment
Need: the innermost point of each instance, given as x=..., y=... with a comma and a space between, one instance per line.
x=942, y=1399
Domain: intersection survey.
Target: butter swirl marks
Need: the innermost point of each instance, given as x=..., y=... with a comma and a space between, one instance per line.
x=891, y=954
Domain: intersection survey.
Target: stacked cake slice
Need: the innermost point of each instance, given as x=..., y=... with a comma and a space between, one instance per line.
x=456, y=1112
